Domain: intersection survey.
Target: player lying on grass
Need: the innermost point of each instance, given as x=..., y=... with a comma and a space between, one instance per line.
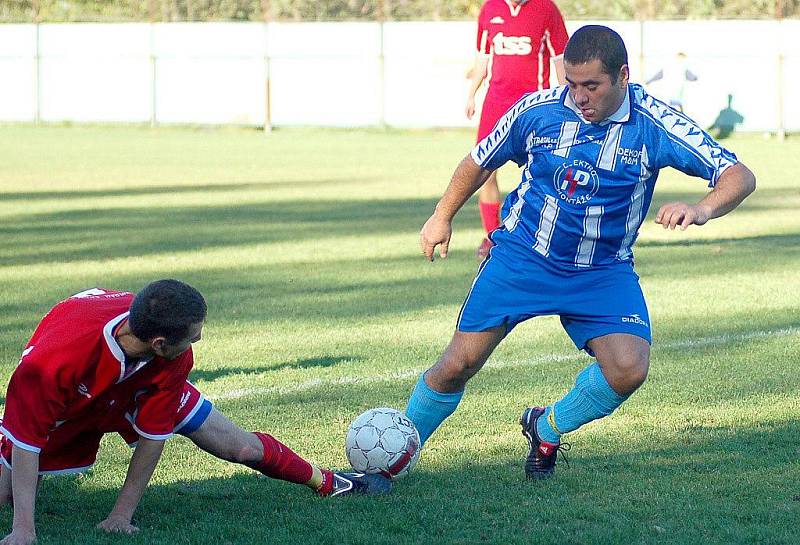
x=105, y=361
x=591, y=153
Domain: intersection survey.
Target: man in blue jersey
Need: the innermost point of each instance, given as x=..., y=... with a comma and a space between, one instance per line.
x=591, y=152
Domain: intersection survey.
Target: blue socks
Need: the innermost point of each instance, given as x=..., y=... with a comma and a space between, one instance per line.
x=428, y=408
x=591, y=398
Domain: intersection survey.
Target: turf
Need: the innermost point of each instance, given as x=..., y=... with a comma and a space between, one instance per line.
x=305, y=245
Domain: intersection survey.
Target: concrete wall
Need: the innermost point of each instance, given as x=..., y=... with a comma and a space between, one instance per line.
x=351, y=74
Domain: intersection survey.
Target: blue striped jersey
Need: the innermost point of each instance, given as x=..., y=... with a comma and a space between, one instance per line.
x=586, y=187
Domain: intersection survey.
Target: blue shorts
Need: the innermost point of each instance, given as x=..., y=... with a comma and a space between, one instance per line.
x=514, y=284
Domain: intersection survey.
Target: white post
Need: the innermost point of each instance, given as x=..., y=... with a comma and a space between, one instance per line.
x=382, y=80
x=267, y=74
x=153, y=71
x=37, y=86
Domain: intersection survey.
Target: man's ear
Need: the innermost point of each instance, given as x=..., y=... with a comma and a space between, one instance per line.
x=157, y=344
x=624, y=75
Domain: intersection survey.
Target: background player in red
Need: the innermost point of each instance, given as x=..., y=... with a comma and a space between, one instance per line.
x=105, y=361
x=520, y=38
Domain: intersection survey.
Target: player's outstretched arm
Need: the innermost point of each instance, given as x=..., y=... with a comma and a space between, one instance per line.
x=733, y=186
x=466, y=180
x=23, y=486
x=143, y=463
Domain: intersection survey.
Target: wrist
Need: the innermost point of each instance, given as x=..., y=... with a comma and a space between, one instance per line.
x=23, y=528
x=440, y=214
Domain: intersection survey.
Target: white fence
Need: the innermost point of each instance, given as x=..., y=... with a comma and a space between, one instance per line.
x=350, y=74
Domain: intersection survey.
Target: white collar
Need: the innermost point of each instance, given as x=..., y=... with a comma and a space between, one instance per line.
x=622, y=114
x=116, y=349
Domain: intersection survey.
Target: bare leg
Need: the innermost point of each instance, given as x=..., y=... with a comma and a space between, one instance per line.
x=222, y=438
x=438, y=392
x=624, y=359
x=5, y=486
x=463, y=358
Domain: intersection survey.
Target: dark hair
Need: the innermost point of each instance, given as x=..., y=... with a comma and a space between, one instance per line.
x=597, y=42
x=166, y=308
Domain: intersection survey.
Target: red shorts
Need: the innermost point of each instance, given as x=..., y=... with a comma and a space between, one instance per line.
x=72, y=446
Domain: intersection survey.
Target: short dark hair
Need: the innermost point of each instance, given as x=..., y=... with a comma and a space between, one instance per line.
x=597, y=42
x=166, y=308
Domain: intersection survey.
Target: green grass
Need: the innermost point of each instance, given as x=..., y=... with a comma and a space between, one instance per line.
x=305, y=245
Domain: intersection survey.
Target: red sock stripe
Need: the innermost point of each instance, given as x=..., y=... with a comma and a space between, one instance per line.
x=280, y=462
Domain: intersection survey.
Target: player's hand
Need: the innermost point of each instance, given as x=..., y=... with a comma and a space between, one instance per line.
x=118, y=525
x=19, y=537
x=680, y=214
x=469, y=109
x=435, y=232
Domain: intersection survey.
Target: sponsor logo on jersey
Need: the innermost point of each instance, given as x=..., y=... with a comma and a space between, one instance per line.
x=548, y=142
x=634, y=319
x=84, y=390
x=629, y=156
x=497, y=20
x=576, y=183
x=511, y=45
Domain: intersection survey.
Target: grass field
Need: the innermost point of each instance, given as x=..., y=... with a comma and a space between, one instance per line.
x=305, y=245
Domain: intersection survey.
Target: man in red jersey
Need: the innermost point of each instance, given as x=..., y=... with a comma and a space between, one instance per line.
x=520, y=37
x=106, y=361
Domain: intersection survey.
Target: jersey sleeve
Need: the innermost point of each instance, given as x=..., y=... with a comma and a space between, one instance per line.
x=683, y=145
x=156, y=409
x=482, y=43
x=507, y=140
x=34, y=402
x=556, y=31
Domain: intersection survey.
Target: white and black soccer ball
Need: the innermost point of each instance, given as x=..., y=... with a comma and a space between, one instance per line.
x=384, y=441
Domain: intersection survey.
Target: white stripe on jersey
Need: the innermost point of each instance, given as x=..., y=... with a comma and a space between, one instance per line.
x=547, y=224
x=540, y=75
x=510, y=222
x=566, y=138
x=591, y=232
x=685, y=133
x=635, y=208
x=608, y=153
x=484, y=38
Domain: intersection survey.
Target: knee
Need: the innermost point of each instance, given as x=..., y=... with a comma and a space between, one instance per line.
x=452, y=372
x=630, y=372
x=246, y=453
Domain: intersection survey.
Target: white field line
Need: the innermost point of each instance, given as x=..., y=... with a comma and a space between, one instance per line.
x=312, y=384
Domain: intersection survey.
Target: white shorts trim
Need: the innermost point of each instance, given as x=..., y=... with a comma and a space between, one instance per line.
x=17, y=442
x=65, y=471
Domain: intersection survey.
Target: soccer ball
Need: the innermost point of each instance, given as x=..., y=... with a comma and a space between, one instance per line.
x=383, y=441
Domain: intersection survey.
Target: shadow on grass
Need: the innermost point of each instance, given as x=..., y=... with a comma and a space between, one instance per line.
x=704, y=488
x=104, y=234
x=174, y=189
x=306, y=363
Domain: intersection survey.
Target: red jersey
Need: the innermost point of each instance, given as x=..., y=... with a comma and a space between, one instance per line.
x=74, y=369
x=521, y=39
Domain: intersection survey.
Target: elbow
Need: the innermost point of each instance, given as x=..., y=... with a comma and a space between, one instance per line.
x=750, y=182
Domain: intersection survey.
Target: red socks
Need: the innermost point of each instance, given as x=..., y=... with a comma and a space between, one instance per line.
x=490, y=215
x=280, y=462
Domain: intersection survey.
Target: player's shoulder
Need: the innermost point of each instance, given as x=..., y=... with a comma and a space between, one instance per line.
x=84, y=313
x=540, y=102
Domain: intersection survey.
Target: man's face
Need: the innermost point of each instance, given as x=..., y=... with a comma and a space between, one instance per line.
x=593, y=91
x=172, y=351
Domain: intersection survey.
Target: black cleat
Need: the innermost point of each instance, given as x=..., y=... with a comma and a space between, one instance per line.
x=541, y=460
x=360, y=483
